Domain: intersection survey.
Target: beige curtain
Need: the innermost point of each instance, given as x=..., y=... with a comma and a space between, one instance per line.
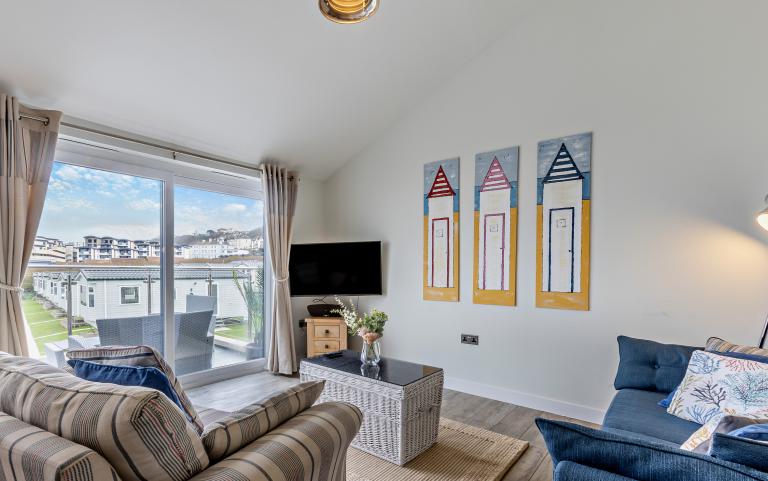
x=280, y=189
x=26, y=157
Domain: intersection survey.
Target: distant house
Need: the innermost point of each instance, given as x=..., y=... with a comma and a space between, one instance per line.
x=561, y=233
x=494, y=242
x=440, y=224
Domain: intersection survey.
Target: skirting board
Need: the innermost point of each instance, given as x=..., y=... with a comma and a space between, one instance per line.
x=530, y=401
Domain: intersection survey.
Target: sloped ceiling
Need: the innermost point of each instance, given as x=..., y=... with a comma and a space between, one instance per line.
x=247, y=80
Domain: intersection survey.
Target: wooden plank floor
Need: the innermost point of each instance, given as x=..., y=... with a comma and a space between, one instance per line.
x=503, y=418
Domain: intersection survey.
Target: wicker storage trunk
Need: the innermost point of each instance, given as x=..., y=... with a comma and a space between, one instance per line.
x=399, y=422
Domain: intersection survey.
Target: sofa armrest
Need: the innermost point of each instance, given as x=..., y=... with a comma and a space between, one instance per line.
x=311, y=445
x=568, y=471
x=636, y=458
x=28, y=452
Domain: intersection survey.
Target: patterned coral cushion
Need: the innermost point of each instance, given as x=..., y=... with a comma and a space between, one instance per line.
x=142, y=434
x=143, y=356
x=715, y=386
x=229, y=434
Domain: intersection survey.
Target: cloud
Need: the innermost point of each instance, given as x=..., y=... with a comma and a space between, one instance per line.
x=126, y=231
x=234, y=208
x=143, y=204
x=77, y=204
x=69, y=172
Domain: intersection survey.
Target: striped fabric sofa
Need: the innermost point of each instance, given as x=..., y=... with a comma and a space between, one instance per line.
x=57, y=427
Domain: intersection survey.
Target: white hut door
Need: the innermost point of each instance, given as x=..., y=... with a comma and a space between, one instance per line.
x=493, y=252
x=561, y=245
x=441, y=250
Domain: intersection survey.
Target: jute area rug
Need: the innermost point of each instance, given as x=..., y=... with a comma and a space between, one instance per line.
x=461, y=453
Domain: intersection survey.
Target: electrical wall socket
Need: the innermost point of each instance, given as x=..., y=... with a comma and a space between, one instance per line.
x=470, y=339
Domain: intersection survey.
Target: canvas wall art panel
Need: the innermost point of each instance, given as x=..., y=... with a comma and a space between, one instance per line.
x=495, y=219
x=563, y=222
x=441, y=230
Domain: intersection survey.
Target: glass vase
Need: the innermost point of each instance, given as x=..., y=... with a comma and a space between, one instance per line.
x=371, y=353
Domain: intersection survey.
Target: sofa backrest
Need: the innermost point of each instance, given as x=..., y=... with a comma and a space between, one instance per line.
x=651, y=366
x=142, y=434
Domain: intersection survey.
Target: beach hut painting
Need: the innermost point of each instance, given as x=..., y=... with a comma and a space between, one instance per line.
x=441, y=230
x=563, y=222
x=495, y=219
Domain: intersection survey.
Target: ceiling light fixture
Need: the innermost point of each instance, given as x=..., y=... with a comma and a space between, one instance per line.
x=348, y=11
x=762, y=216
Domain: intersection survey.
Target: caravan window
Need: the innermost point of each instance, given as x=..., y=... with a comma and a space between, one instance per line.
x=129, y=295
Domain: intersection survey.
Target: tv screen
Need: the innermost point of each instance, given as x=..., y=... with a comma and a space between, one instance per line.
x=344, y=268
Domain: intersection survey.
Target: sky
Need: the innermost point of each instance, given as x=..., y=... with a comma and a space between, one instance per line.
x=83, y=201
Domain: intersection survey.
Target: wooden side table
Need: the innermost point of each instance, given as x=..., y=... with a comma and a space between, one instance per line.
x=325, y=334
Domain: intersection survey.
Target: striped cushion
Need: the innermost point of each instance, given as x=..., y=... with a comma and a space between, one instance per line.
x=715, y=344
x=232, y=432
x=310, y=446
x=28, y=453
x=142, y=434
x=143, y=356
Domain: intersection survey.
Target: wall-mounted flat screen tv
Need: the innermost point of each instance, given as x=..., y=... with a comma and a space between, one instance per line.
x=343, y=268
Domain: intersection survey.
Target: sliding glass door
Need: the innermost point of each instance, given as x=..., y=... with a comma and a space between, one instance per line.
x=130, y=252
x=219, y=270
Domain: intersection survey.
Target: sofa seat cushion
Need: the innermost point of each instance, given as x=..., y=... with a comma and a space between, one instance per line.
x=638, y=411
x=142, y=434
x=142, y=356
x=228, y=434
x=650, y=365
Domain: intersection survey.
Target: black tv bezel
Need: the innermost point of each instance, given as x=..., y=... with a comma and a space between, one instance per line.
x=322, y=295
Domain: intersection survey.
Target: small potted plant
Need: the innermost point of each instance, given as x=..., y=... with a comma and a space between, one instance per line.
x=370, y=327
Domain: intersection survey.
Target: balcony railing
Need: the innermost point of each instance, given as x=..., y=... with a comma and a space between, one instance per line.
x=87, y=299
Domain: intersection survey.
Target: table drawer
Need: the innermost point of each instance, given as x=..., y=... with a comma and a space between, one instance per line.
x=328, y=331
x=325, y=346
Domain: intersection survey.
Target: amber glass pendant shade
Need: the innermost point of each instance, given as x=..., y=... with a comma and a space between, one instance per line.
x=348, y=11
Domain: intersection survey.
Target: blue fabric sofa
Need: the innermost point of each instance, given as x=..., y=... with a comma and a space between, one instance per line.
x=639, y=440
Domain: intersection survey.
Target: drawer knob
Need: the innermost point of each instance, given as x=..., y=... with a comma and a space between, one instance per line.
x=326, y=346
x=327, y=331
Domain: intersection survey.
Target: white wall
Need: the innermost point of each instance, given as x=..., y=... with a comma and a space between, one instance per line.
x=676, y=93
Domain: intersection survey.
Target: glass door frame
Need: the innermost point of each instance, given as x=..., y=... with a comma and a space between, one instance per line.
x=84, y=153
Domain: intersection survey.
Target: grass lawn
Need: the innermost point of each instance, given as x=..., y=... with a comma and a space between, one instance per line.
x=45, y=328
x=234, y=331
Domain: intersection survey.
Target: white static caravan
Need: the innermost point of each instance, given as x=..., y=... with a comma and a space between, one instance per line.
x=109, y=292
x=441, y=226
x=495, y=230
x=561, y=225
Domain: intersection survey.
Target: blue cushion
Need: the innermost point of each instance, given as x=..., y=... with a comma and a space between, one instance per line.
x=758, y=432
x=642, y=460
x=638, y=411
x=650, y=365
x=150, y=377
x=740, y=450
x=664, y=403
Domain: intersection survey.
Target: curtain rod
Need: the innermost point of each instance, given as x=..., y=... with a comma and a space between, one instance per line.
x=44, y=120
